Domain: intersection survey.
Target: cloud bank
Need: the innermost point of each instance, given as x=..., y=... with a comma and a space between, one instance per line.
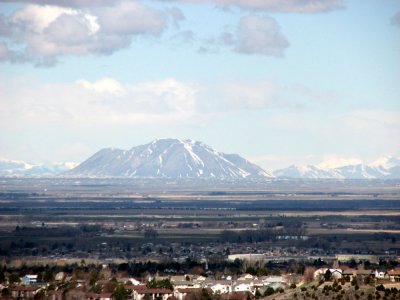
x=43, y=33
x=290, y=6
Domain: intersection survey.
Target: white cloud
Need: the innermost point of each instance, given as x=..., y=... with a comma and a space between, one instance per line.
x=254, y=35
x=260, y=35
x=105, y=101
x=293, y=6
x=131, y=18
x=104, y=85
x=46, y=32
x=170, y=93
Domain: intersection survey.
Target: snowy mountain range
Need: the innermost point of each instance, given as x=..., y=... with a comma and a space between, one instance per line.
x=16, y=167
x=174, y=158
x=169, y=158
x=384, y=168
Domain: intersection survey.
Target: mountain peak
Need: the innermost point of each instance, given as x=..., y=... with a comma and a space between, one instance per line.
x=169, y=158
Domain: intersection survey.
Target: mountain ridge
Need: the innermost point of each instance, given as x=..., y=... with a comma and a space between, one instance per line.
x=383, y=168
x=168, y=158
x=386, y=167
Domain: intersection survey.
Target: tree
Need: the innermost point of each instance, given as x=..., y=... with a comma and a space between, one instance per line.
x=40, y=295
x=13, y=278
x=160, y=284
x=120, y=293
x=2, y=276
x=5, y=292
x=328, y=275
x=48, y=275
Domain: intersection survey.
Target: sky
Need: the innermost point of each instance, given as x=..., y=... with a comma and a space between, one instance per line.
x=279, y=82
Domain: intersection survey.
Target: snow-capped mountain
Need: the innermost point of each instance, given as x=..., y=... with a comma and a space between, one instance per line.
x=309, y=171
x=383, y=168
x=168, y=158
x=16, y=167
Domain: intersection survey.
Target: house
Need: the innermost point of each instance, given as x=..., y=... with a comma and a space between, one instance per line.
x=247, y=277
x=335, y=273
x=267, y=280
x=199, y=278
x=244, y=287
x=146, y=293
x=60, y=277
x=129, y=280
x=381, y=275
x=361, y=273
x=174, y=278
x=181, y=294
x=394, y=275
x=24, y=292
x=186, y=284
x=29, y=279
x=218, y=286
x=349, y=272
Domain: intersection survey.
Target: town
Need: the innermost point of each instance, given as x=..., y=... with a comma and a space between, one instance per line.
x=251, y=277
x=121, y=239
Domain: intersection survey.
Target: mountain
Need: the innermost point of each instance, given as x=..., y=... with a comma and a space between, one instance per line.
x=387, y=167
x=309, y=171
x=168, y=158
x=16, y=167
x=173, y=158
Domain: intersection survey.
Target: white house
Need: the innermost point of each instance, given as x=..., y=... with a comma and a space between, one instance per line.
x=29, y=279
x=381, y=274
x=247, y=277
x=220, y=288
x=335, y=273
x=128, y=280
x=267, y=280
x=243, y=287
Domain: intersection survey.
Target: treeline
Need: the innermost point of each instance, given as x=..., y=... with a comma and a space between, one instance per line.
x=262, y=235
x=63, y=231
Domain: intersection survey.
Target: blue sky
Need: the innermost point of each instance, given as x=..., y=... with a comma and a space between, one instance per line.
x=278, y=82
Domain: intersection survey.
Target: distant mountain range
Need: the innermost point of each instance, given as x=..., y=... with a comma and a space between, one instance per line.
x=385, y=168
x=15, y=167
x=174, y=158
x=169, y=158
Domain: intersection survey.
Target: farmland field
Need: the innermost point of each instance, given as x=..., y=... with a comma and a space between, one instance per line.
x=117, y=218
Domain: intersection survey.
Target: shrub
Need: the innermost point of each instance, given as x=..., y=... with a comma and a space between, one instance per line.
x=380, y=288
x=269, y=291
